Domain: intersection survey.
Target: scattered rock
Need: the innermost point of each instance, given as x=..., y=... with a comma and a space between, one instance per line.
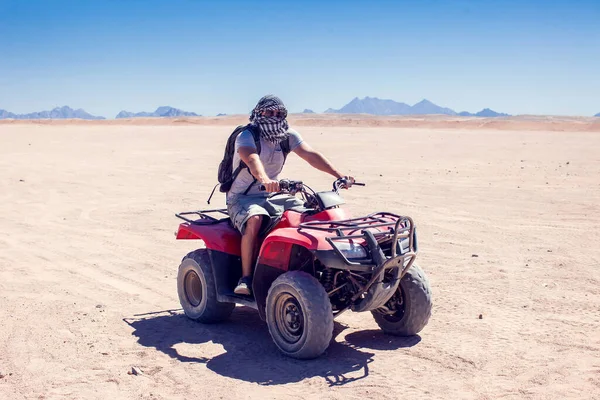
x=2, y=375
x=21, y=180
x=380, y=175
x=480, y=316
x=549, y=251
x=474, y=255
x=135, y=371
x=568, y=162
x=527, y=265
x=99, y=306
x=104, y=354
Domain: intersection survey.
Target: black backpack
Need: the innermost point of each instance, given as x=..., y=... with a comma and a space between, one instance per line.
x=226, y=175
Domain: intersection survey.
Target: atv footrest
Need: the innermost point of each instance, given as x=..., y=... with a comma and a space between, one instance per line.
x=231, y=297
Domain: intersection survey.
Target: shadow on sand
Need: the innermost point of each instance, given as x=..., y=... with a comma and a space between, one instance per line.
x=250, y=355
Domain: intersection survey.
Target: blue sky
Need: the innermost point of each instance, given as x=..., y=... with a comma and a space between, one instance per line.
x=520, y=57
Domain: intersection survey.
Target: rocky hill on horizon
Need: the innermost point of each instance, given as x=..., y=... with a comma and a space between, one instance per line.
x=163, y=111
x=486, y=112
x=376, y=106
x=63, y=112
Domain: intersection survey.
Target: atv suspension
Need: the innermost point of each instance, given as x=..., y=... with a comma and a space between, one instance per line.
x=339, y=288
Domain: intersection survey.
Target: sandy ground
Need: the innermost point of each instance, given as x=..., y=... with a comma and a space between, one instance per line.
x=508, y=223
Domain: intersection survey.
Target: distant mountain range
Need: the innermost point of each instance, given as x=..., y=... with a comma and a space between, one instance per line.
x=376, y=106
x=368, y=105
x=63, y=112
x=164, y=111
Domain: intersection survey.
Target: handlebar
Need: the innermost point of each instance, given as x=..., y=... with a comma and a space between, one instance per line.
x=286, y=185
x=290, y=186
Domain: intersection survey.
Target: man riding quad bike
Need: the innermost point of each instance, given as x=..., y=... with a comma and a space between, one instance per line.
x=312, y=266
x=311, y=260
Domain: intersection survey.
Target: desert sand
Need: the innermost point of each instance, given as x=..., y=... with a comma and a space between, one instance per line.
x=508, y=215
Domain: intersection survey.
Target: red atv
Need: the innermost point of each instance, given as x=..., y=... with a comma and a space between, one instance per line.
x=312, y=266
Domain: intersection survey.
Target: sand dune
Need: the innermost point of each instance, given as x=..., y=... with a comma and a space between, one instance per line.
x=88, y=261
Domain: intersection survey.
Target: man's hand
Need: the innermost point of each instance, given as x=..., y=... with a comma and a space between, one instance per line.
x=349, y=181
x=270, y=185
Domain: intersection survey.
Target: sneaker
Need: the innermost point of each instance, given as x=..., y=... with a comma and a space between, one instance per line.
x=244, y=286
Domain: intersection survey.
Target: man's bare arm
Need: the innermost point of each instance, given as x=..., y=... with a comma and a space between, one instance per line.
x=316, y=160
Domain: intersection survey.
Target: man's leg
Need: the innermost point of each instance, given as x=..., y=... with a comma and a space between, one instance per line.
x=249, y=242
x=248, y=250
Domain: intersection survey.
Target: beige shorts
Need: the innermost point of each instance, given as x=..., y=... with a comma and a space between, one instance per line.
x=241, y=207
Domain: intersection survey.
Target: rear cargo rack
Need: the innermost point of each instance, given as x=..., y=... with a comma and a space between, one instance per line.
x=204, y=216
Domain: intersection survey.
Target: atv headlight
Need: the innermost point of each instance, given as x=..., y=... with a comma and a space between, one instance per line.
x=351, y=250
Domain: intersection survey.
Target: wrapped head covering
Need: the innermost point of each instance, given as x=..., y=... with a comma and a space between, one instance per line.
x=273, y=128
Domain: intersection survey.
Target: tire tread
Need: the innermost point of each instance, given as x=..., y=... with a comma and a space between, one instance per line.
x=215, y=311
x=317, y=308
x=418, y=290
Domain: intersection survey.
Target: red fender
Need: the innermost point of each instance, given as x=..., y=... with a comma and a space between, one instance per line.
x=277, y=247
x=221, y=237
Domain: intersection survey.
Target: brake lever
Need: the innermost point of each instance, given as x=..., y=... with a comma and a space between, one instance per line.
x=340, y=185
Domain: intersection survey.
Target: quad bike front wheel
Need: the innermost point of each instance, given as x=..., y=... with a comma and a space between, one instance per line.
x=299, y=315
x=409, y=309
x=197, y=291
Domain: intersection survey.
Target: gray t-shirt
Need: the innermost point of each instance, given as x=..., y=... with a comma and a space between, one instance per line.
x=271, y=157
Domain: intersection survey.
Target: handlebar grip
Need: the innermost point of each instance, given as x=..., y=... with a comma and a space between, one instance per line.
x=358, y=184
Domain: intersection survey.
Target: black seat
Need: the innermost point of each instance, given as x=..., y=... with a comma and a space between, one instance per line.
x=330, y=199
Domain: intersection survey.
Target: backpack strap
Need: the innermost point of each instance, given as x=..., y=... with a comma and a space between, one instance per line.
x=256, y=136
x=285, y=147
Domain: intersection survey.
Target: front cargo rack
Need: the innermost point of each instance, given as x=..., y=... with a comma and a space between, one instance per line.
x=382, y=226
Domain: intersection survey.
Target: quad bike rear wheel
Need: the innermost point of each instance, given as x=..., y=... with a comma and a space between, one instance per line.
x=299, y=315
x=196, y=289
x=408, y=311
